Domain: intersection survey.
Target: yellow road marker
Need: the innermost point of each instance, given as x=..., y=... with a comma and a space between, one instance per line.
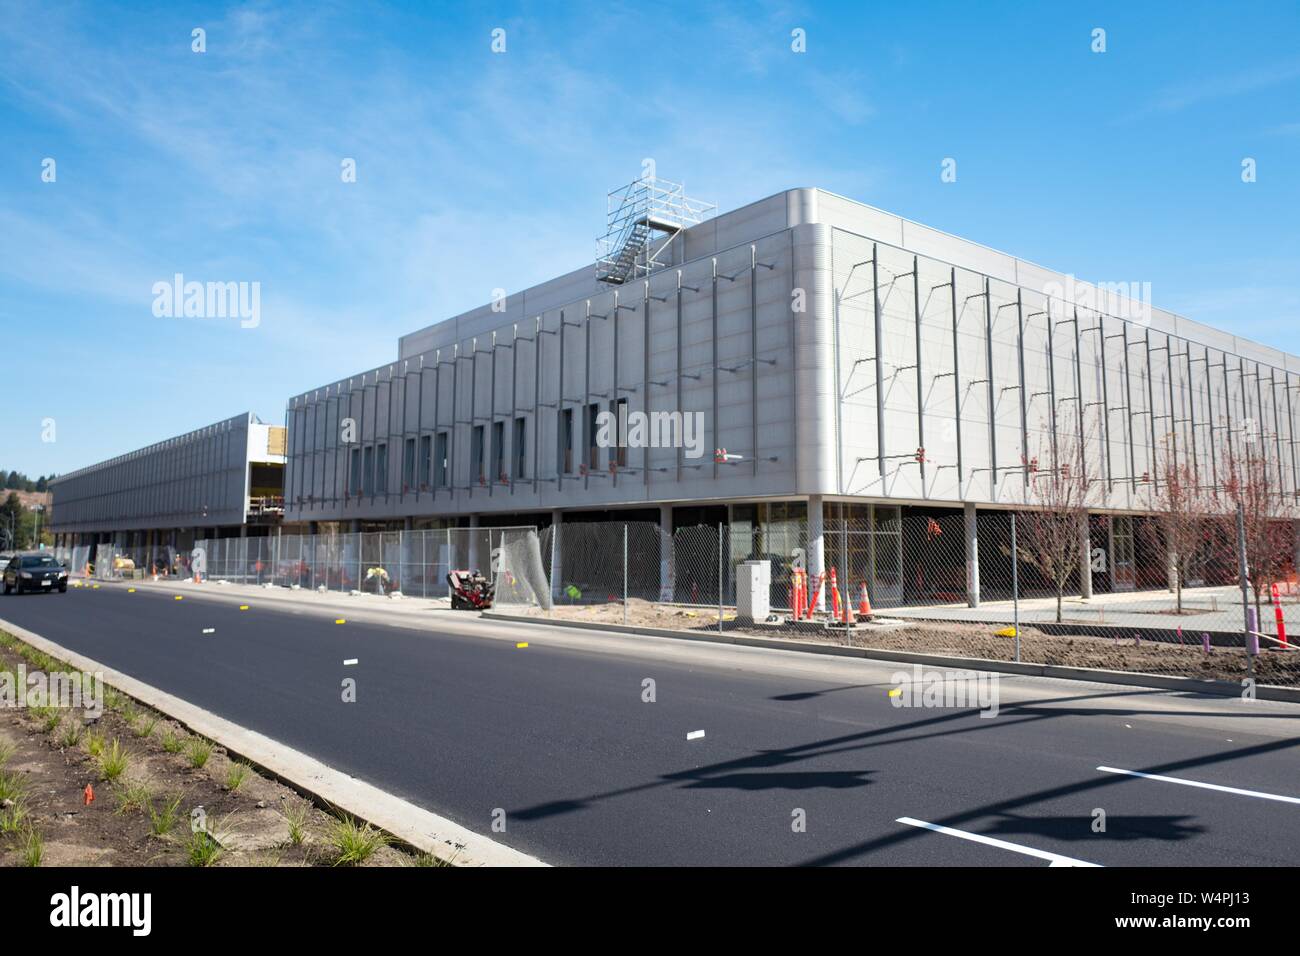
x=130, y=590
x=180, y=597
x=522, y=644
x=94, y=587
x=340, y=621
x=897, y=691
x=243, y=607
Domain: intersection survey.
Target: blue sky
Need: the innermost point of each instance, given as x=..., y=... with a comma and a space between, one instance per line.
x=478, y=170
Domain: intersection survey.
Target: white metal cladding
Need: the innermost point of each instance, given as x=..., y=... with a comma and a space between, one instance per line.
x=722, y=338
x=199, y=478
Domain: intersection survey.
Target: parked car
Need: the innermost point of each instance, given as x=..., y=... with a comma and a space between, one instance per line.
x=34, y=572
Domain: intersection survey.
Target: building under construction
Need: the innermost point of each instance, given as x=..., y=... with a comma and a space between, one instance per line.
x=223, y=480
x=801, y=361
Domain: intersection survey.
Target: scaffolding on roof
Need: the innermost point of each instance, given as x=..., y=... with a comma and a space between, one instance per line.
x=641, y=220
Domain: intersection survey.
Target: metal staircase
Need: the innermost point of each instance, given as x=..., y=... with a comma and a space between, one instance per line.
x=642, y=218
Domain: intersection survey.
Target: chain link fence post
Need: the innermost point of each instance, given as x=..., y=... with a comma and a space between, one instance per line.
x=1243, y=571
x=1015, y=586
x=719, y=577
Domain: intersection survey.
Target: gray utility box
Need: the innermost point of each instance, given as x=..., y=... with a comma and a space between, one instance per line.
x=753, y=590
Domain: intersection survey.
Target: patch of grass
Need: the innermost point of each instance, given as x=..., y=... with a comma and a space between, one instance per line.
x=15, y=817
x=199, y=751
x=51, y=721
x=427, y=859
x=144, y=725
x=236, y=776
x=72, y=730
x=11, y=786
x=113, y=761
x=134, y=795
x=95, y=743
x=115, y=699
x=296, y=817
x=163, y=821
x=6, y=752
x=173, y=742
x=354, y=844
x=202, y=849
x=33, y=849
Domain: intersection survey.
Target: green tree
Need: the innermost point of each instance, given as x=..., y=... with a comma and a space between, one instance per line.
x=11, y=516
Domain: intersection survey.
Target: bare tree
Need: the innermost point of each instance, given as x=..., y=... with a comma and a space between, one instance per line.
x=1058, y=510
x=1267, y=515
x=1182, y=525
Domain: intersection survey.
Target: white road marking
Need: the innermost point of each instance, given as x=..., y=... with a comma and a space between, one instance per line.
x=695, y=735
x=1204, y=786
x=209, y=630
x=349, y=662
x=1055, y=858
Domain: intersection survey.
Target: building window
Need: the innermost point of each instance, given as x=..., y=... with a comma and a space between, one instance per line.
x=476, y=454
x=499, y=451
x=619, y=453
x=517, y=447
x=440, y=463
x=424, y=462
x=566, y=438
x=593, y=451
x=354, y=472
x=408, y=464
x=381, y=468
x=368, y=474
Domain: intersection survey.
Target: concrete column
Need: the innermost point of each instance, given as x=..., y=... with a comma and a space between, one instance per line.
x=313, y=527
x=474, y=543
x=1085, y=558
x=354, y=526
x=243, y=531
x=557, y=575
x=972, y=557
x=816, y=550
x=667, y=564
x=408, y=523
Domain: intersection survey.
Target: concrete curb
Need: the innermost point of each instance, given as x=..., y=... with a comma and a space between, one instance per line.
x=1190, y=685
x=413, y=825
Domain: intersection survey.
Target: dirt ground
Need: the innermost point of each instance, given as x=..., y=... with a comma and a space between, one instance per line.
x=971, y=640
x=144, y=817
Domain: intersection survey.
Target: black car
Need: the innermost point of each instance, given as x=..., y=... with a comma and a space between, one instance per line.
x=34, y=572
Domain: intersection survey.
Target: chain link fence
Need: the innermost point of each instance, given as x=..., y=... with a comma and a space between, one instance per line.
x=1098, y=591
x=413, y=563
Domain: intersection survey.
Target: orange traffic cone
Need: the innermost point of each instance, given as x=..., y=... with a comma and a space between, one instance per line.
x=864, y=603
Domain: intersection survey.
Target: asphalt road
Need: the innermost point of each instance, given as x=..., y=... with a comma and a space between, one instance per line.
x=452, y=716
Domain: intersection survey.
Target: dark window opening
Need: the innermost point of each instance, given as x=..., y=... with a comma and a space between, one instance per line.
x=518, y=447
